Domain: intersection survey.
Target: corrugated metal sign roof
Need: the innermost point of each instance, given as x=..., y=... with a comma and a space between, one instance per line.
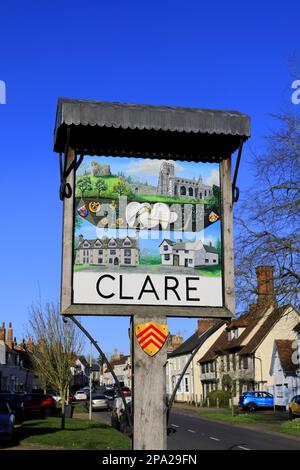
x=150, y=117
x=140, y=129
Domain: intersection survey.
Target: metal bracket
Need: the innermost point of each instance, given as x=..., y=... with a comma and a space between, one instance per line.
x=104, y=358
x=235, y=189
x=65, y=190
x=204, y=337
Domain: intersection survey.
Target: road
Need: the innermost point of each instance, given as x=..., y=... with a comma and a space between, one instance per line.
x=193, y=433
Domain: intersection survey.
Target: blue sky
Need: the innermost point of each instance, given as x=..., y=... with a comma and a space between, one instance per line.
x=203, y=54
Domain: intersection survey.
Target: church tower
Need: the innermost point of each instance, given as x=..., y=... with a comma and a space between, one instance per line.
x=165, y=185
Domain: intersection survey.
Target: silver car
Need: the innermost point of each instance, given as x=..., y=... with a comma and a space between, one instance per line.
x=99, y=402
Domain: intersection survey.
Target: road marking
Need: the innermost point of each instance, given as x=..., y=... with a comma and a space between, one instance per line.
x=175, y=426
x=214, y=439
x=243, y=448
x=190, y=430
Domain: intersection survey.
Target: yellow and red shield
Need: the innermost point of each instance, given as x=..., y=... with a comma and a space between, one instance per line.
x=151, y=336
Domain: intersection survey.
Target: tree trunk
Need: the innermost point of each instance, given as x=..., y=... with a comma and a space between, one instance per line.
x=63, y=418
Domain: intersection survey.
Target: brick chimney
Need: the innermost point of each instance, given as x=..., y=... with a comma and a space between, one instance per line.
x=2, y=332
x=265, y=285
x=29, y=344
x=205, y=324
x=9, y=341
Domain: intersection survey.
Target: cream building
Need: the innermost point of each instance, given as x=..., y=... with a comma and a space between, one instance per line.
x=190, y=386
x=108, y=251
x=241, y=357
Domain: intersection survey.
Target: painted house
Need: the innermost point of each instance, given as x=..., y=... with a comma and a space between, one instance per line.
x=285, y=368
x=188, y=254
x=240, y=359
x=108, y=251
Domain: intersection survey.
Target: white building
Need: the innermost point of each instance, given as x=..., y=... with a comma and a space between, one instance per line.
x=188, y=254
x=285, y=369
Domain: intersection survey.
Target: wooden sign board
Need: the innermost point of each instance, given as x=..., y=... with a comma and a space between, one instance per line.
x=144, y=231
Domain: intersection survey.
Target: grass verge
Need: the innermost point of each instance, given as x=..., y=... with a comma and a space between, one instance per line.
x=291, y=427
x=78, y=434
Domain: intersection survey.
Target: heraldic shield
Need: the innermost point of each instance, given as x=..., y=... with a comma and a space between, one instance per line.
x=151, y=336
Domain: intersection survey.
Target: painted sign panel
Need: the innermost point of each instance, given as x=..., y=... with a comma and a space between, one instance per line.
x=147, y=232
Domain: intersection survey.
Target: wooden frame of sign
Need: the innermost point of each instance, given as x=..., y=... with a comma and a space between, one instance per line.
x=90, y=128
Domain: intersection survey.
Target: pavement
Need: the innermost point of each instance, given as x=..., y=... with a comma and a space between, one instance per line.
x=192, y=432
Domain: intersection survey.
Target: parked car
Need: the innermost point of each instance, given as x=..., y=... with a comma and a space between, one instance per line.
x=38, y=403
x=126, y=391
x=253, y=401
x=7, y=421
x=55, y=395
x=294, y=407
x=15, y=403
x=81, y=395
x=110, y=394
x=99, y=402
x=118, y=415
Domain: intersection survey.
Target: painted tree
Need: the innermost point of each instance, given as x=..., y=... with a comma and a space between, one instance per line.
x=56, y=343
x=84, y=184
x=120, y=187
x=100, y=186
x=268, y=218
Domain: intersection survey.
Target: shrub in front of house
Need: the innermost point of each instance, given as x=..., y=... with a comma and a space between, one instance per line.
x=223, y=397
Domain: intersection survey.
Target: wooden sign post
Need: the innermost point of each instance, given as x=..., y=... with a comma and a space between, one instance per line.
x=147, y=227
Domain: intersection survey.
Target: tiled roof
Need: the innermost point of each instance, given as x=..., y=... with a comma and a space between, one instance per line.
x=105, y=243
x=194, y=341
x=264, y=329
x=285, y=351
x=249, y=321
x=210, y=249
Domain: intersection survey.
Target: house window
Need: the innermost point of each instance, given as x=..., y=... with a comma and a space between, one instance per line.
x=127, y=260
x=190, y=261
x=127, y=252
x=234, y=362
x=110, y=261
x=127, y=243
x=186, y=384
x=100, y=260
x=167, y=257
x=229, y=336
x=166, y=247
x=207, y=367
x=222, y=365
x=228, y=362
x=83, y=260
x=100, y=252
x=203, y=368
x=112, y=243
x=212, y=369
x=214, y=261
x=113, y=252
x=186, y=251
x=206, y=260
x=245, y=362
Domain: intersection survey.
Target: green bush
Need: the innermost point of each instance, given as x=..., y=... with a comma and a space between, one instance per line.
x=223, y=397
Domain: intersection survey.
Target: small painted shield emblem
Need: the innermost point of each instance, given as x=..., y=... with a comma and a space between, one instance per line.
x=151, y=336
x=213, y=217
x=82, y=211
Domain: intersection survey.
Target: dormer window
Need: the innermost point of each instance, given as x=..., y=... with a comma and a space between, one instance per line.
x=86, y=244
x=98, y=243
x=112, y=242
x=127, y=242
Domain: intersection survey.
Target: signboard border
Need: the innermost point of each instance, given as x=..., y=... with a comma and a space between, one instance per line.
x=226, y=311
